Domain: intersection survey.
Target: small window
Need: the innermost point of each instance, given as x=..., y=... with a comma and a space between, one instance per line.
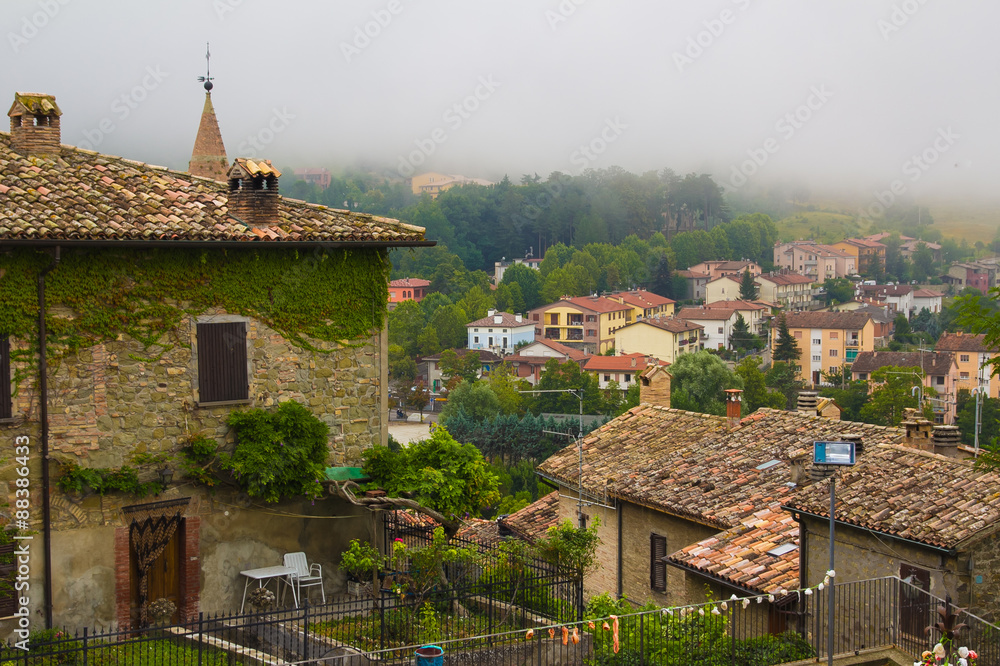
x=505, y=343
x=607, y=378
x=628, y=378
x=964, y=375
x=534, y=317
x=491, y=330
x=591, y=333
x=720, y=329
x=475, y=339
x=817, y=357
x=490, y=343
x=834, y=335
x=797, y=335
x=964, y=358
x=6, y=408
x=817, y=341
x=863, y=376
x=657, y=567
x=834, y=353
x=222, y=362
x=940, y=380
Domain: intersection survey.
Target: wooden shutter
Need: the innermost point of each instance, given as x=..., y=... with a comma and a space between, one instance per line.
x=657, y=567
x=5, y=400
x=222, y=362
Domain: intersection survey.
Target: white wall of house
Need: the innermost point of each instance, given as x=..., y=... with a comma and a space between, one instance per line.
x=500, y=339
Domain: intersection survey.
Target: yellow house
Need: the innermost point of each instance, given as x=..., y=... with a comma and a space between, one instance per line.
x=660, y=337
x=971, y=355
x=585, y=322
x=722, y=289
x=435, y=183
x=645, y=304
x=827, y=340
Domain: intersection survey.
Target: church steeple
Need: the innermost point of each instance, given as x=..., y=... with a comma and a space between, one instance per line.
x=209, y=155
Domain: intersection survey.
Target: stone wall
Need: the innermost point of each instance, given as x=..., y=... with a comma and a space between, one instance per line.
x=116, y=399
x=985, y=577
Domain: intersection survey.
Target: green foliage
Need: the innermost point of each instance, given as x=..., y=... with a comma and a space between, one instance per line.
x=455, y=368
x=571, y=550
x=144, y=294
x=361, y=561
x=699, y=383
x=430, y=625
x=104, y=480
x=197, y=458
x=513, y=439
x=767, y=650
x=755, y=393
x=782, y=377
x=891, y=393
x=748, y=287
x=477, y=400
x=838, y=290
x=278, y=454
x=562, y=376
x=437, y=472
x=785, y=347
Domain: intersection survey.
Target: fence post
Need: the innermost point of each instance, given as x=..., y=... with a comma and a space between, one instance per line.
x=642, y=639
x=85, y=646
x=305, y=629
x=732, y=635
x=201, y=620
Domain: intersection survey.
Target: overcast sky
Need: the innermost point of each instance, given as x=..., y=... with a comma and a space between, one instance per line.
x=830, y=92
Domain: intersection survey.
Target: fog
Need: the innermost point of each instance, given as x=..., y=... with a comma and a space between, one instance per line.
x=837, y=95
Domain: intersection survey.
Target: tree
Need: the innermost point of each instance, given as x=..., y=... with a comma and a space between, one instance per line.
x=529, y=281
x=505, y=385
x=892, y=392
x=989, y=423
x=902, y=334
x=418, y=398
x=663, y=281
x=475, y=303
x=456, y=368
x=785, y=348
x=741, y=338
x=563, y=376
x=699, y=382
x=781, y=377
x=427, y=341
x=437, y=472
x=449, y=323
x=401, y=367
x=477, y=400
x=923, y=262
x=838, y=290
x=748, y=288
x=755, y=393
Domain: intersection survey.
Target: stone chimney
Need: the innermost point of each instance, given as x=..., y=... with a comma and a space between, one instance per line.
x=797, y=467
x=734, y=405
x=34, y=125
x=253, y=192
x=807, y=402
x=498, y=319
x=490, y=313
x=918, y=431
x=946, y=440
x=859, y=444
x=518, y=318
x=654, y=386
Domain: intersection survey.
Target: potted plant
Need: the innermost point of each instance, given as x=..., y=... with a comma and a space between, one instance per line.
x=361, y=562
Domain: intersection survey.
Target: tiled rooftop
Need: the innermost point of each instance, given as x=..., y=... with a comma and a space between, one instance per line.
x=85, y=196
x=740, y=555
x=671, y=324
x=507, y=320
x=534, y=520
x=848, y=321
x=911, y=494
x=785, y=279
x=961, y=342
x=713, y=314
x=932, y=363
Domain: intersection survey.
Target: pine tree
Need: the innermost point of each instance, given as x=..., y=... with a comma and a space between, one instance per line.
x=741, y=337
x=785, y=347
x=748, y=288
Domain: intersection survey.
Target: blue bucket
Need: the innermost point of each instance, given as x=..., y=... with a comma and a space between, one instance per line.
x=430, y=655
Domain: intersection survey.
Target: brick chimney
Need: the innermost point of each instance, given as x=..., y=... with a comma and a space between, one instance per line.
x=859, y=443
x=918, y=431
x=253, y=192
x=734, y=405
x=34, y=125
x=654, y=386
x=807, y=402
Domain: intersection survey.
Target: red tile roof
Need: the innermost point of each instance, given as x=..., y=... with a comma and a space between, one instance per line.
x=847, y=321
x=410, y=282
x=641, y=298
x=740, y=556
x=934, y=363
x=572, y=353
x=927, y=293
x=785, y=279
x=85, y=196
x=534, y=520
x=956, y=342
x=626, y=362
x=671, y=324
x=736, y=305
x=714, y=314
x=507, y=320
x=693, y=274
x=592, y=303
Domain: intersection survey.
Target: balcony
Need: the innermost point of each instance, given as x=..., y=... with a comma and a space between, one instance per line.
x=574, y=334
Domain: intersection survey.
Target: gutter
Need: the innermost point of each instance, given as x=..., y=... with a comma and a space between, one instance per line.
x=43, y=369
x=209, y=244
x=796, y=512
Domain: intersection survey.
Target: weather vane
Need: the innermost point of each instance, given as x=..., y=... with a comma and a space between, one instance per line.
x=208, y=69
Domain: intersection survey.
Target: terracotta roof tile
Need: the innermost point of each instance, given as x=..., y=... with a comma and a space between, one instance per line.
x=671, y=324
x=635, y=362
x=507, y=320
x=94, y=197
x=693, y=314
x=933, y=363
x=534, y=520
x=849, y=321
x=955, y=342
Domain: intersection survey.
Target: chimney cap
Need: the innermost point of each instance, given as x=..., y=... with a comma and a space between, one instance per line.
x=35, y=104
x=244, y=167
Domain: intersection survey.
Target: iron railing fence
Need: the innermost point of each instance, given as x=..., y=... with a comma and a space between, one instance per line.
x=869, y=614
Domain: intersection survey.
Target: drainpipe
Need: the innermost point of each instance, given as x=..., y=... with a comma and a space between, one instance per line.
x=43, y=368
x=618, y=573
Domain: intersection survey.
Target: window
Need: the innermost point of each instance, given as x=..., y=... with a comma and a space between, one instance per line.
x=964, y=358
x=862, y=376
x=817, y=357
x=834, y=335
x=534, y=317
x=628, y=378
x=591, y=333
x=940, y=380
x=607, y=378
x=834, y=353
x=817, y=341
x=797, y=335
x=657, y=567
x=491, y=330
x=490, y=343
x=505, y=343
x=476, y=330
x=475, y=339
x=964, y=375
x=720, y=329
x=6, y=409
x=222, y=362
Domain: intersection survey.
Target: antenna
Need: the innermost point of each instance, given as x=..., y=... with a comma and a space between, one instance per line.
x=207, y=79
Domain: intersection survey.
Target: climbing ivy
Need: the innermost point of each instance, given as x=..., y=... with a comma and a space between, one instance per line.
x=322, y=295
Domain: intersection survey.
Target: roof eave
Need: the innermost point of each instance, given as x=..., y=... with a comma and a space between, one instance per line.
x=68, y=242
x=923, y=544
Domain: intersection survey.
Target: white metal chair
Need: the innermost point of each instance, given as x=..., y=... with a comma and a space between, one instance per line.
x=305, y=575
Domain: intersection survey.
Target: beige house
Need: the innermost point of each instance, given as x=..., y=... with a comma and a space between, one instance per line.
x=827, y=340
x=587, y=323
x=664, y=338
x=972, y=356
x=717, y=268
x=722, y=289
x=645, y=304
x=818, y=262
x=789, y=290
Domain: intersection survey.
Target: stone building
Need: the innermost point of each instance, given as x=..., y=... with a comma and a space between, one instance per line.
x=171, y=300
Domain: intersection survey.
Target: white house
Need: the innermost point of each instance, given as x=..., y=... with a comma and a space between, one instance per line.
x=717, y=322
x=500, y=332
x=926, y=298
